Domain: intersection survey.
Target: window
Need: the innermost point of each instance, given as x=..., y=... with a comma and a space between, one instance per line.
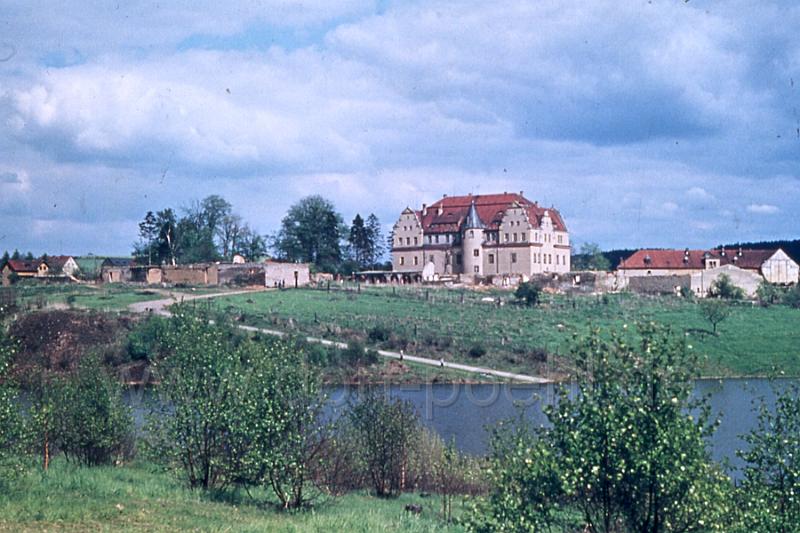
x=524, y=237
x=515, y=237
x=476, y=252
x=477, y=269
x=506, y=237
x=458, y=259
x=448, y=237
x=416, y=260
x=436, y=239
x=491, y=259
x=471, y=233
x=560, y=239
x=416, y=241
x=402, y=261
x=513, y=258
x=408, y=241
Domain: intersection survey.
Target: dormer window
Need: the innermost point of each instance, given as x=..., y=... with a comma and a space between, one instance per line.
x=648, y=260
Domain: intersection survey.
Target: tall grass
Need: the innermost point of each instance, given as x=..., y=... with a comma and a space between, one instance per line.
x=141, y=498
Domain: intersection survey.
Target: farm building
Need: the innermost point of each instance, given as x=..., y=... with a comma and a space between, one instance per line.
x=773, y=265
x=481, y=236
x=116, y=270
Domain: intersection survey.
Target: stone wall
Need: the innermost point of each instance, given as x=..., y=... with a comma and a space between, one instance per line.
x=287, y=274
x=197, y=274
x=659, y=284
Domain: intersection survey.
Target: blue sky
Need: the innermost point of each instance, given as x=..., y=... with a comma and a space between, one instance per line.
x=647, y=123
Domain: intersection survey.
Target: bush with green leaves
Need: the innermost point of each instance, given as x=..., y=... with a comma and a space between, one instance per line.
x=91, y=424
x=769, y=293
x=627, y=450
x=770, y=491
x=236, y=411
x=11, y=423
x=477, y=350
x=528, y=293
x=723, y=287
x=528, y=492
x=143, y=341
x=385, y=430
x=792, y=296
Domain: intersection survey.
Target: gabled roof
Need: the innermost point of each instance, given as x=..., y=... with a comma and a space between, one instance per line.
x=56, y=262
x=118, y=262
x=695, y=259
x=490, y=209
x=22, y=265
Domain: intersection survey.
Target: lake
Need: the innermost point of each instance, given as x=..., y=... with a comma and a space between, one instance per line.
x=463, y=412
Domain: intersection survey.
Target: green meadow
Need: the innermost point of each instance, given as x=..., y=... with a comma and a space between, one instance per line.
x=447, y=323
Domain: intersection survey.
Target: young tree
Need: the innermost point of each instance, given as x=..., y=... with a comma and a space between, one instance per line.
x=147, y=247
x=375, y=242
x=629, y=453
x=769, y=293
x=529, y=293
x=385, y=430
x=591, y=258
x=358, y=242
x=312, y=232
x=770, y=492
x=715, y=312
x=723, y=287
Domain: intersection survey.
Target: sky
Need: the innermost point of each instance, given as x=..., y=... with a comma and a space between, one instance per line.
x=654, y=123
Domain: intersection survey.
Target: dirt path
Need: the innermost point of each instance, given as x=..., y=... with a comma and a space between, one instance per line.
x=159, y=307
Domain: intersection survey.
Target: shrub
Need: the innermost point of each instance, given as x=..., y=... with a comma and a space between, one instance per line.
x=770, y=492
x=379, y=334
x=11, y=424
x=769, y=293
x=477, y=350
x=92, y=424
x=385, y=430
x=529, y=293
x=622, y=451
x=357, y=355
x=792, y=296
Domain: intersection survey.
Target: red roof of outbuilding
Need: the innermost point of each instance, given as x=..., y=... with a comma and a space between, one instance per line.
x=695, y=259
x=22, y=265
x=490, y=208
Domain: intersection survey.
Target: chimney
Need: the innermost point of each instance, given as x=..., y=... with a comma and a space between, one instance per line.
x=722, y=252
x=740, y=251
x=522, y=193
x=440, y=210
x=424, y=210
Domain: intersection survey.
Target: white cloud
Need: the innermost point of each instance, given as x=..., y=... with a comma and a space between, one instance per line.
x=699, y=194
x=762, y=209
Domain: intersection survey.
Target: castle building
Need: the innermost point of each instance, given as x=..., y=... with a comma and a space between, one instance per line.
x=481, y=236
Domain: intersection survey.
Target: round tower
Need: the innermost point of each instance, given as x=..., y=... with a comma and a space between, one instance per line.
x=473, y=243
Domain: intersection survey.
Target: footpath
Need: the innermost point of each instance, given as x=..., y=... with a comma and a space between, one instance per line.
x=161, y=307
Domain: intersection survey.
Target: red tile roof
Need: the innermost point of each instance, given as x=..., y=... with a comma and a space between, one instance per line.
x=21, y=265
x=490, y=208
x=695, y=259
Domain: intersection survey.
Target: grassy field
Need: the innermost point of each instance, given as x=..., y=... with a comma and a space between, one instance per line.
x=99, y=297
x=139, y=498
x=448, y=323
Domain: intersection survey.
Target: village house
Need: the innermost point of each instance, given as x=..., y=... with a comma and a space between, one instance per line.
x=499, y=236
x=57, y=267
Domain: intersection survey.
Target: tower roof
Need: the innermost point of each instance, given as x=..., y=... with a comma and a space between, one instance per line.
x=473, y=220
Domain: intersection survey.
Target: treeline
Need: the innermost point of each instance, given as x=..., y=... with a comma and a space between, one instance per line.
x=791, y=247
x=207, y=230
x=312, y=231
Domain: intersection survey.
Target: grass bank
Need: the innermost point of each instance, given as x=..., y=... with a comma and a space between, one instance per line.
x=449, y=323
x=141, y=498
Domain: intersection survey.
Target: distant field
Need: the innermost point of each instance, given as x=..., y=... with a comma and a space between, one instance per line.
x=448, y=323
x=139, y=498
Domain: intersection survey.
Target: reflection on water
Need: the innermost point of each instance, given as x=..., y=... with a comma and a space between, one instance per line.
x=466, y=413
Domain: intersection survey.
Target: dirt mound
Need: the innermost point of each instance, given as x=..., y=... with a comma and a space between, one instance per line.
x=57, y=339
